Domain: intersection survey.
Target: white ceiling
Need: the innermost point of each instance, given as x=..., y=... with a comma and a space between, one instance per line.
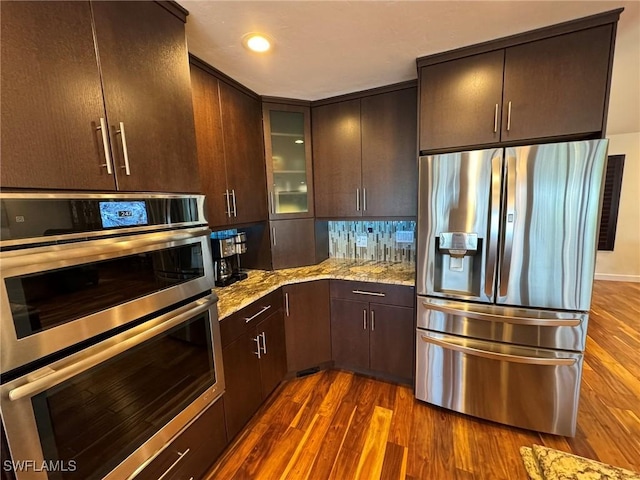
x=327, y=48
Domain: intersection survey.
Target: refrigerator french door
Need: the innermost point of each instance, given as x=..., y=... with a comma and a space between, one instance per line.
x=507, y=240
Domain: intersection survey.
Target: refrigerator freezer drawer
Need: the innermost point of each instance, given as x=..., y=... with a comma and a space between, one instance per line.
x=521, y=326
x=524, y=387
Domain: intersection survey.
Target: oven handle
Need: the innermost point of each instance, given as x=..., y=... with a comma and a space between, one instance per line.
x=52, y=379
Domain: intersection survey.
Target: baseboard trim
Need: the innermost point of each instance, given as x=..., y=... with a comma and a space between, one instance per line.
x=617, y=278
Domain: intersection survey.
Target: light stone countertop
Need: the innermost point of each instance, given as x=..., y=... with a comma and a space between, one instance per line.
x=261, y=282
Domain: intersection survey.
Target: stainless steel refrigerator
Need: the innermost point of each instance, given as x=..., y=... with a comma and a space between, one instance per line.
x=507, y=240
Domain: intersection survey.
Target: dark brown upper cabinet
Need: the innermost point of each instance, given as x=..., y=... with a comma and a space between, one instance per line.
x=228, y=125
x=364, y=154
x=287, y=144
x=546, y=85
x=96, y=96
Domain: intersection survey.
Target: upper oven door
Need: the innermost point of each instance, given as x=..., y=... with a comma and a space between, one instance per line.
x=56, y=296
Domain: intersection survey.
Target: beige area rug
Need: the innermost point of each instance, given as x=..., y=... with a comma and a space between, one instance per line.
x=543, y=463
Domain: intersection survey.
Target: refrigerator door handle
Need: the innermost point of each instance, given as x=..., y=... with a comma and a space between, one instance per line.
x=509, y=221
x=502, y=357
x=494, y=224
x=551, y=320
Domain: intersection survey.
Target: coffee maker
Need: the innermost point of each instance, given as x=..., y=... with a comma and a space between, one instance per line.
x=226, y=255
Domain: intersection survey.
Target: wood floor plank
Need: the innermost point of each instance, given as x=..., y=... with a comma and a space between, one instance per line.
x=336, y=424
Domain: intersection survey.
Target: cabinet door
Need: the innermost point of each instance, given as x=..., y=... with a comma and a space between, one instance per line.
x=337, y=157
x=293, y=243
x=392, y=340
x=243, y=393
x=208, y=125
x=557, y=86
x=389, y=154
x=307, y=325
x=273, y=361
x=350, y=333
x=193, y=451
x=145, y=70
x=459, y=102
x=244, y=154
x=51, y=98
x=287, y=144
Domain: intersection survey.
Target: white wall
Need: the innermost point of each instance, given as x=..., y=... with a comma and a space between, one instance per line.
x=623, y=263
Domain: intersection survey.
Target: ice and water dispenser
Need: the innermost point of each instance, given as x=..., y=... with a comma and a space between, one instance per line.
x=458, y=263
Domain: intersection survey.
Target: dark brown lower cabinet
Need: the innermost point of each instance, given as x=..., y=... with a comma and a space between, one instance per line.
x=307, y=324
x=373, y=337
x=194, y=450
x=254, y=364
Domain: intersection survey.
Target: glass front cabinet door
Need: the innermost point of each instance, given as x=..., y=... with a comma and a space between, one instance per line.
x=287, y=139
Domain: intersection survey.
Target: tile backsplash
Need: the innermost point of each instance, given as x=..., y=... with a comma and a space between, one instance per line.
x=389, y=241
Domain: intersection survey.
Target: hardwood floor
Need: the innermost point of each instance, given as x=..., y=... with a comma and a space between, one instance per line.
x=338, y=425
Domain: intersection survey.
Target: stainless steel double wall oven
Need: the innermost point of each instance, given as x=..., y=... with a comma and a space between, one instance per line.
x=110, y=340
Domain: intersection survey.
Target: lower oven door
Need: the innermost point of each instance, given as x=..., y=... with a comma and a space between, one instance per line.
x=532, y=388
x=107, y=411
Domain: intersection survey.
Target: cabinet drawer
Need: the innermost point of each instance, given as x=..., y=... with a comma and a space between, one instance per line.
x=384, y=293
x=194, y=450
x=238, y=323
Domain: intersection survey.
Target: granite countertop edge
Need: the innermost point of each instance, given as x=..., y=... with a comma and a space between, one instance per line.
x=233, y=298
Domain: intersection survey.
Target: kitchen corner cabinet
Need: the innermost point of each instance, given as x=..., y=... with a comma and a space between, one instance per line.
x=372, y=328
x=307, y=325
x=364, y=155
x=191, y=453
x=96, y=96
x=533, y=90
x=228, y=126
x=287, y=143
x=254, y=356
x=293, y=243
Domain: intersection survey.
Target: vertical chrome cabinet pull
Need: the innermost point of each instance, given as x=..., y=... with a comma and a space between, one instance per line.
x=257, y=340
x=495, y=120
x=125, y=150
x=105, y=145
x=364, y=199
x=286, y=303
x=180, y=457
x=228, y=210
x=364, y=319
x=273, y=202
x=273, y=234
x=373, y=320
x=264, y=342
x=358, y=199
x=235, y=209
x=509, y=117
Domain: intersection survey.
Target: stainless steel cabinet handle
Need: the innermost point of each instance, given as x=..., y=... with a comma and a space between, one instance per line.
x=358, y=199
x=272, y=207
x=494, y=223
x=286, y=303
x=257, y=352
x=364, y=292
x=373, y=320
x=45, y=382
x=509, y=117
x=262, y=310
x=364, y=199
x=180, y=457
x=125, y=150
x=226, y=196
x=364, y=319
x=495, y=120
x=105, y=145
x=264, y=342
x=494, y=317
x=235, y=209
x=273, y=235
x=503, y=357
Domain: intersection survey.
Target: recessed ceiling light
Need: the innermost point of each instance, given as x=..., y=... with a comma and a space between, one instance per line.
x=256, y=42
